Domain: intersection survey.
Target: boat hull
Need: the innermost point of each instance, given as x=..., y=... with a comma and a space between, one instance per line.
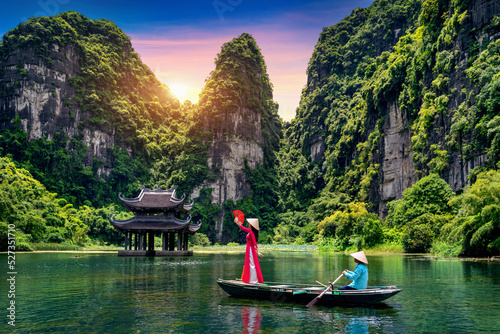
x=304, y=293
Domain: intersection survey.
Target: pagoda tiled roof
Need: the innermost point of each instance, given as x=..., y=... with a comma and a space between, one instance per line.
x=156, y=201
x=162, y=223
x=193, y=228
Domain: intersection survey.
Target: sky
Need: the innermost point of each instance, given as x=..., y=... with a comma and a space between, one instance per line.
x=180, y=39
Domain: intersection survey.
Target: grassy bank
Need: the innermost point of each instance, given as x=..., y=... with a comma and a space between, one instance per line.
x=63, y=247
x=236, y=248
x=229, y=248
x=233, y=248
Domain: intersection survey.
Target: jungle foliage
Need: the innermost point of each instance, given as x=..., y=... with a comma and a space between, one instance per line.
x=117, y=94
x=401, y=55
x=41, y=216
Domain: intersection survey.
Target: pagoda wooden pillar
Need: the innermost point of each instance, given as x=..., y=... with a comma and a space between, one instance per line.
x=151, y=245
x=179, y=241
x=135, y=241
x=126, y=240
x=185, y=237
x=163, y=241
x=171, y=241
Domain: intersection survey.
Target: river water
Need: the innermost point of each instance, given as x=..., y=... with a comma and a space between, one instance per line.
x=103, y=293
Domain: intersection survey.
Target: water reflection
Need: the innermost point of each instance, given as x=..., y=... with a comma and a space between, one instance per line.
x=359, y=320
x=357, y=326
x=268, y=317
x=62, y=293
x=251, y=319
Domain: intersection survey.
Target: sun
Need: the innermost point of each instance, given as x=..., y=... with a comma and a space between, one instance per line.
x=179, y=90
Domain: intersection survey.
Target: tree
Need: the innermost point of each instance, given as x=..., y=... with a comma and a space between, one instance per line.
x=477, y=223
x=430, y=194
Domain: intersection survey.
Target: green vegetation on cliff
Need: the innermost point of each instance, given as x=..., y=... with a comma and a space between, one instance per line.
x=320, y=180
x=117, y=94
x=414, y=57
x=238, y=91
x=240, y=81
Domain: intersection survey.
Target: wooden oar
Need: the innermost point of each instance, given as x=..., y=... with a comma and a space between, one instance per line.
x=330, y=286
x=326, y=286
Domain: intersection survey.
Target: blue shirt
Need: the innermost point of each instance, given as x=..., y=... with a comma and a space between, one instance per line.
x=359, y=277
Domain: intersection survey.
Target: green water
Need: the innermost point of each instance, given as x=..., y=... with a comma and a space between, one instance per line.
x=102, y=293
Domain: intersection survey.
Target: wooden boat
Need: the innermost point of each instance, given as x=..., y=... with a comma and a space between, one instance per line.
x=304, y=293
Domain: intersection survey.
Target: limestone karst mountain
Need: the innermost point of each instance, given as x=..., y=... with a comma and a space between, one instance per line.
x=396, y=91
x=238, y=111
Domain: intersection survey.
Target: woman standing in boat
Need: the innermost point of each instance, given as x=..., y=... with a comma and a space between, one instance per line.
x=251, y=270
x=359, y=276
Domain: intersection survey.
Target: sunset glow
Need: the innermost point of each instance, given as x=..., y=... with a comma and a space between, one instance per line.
x=185, y=65
x=180, y=91
x=180, y=40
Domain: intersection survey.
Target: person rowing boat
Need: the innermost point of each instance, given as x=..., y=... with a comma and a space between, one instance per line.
x=359, y=276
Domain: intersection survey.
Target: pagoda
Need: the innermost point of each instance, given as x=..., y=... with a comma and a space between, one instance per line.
x=156, y=212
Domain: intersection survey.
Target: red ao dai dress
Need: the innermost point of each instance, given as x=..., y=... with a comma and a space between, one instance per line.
x=251, y=270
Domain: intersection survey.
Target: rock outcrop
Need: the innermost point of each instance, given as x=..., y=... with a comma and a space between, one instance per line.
x=241, y=140
x=234, y=106
x=41, y=95
x=397, y=170
x=331, y=123
x=80, y=79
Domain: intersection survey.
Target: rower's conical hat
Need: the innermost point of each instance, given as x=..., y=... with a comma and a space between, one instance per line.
x=254, y=222
x=360, y=256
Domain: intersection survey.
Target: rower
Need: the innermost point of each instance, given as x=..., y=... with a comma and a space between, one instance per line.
x=359, y=276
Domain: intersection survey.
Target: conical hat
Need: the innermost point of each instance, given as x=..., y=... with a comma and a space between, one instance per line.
x=360, y=256
x=254, y=222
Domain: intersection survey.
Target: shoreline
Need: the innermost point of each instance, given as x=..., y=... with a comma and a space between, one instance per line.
x=276, y=248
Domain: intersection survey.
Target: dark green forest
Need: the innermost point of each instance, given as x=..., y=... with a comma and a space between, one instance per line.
x=54, y=194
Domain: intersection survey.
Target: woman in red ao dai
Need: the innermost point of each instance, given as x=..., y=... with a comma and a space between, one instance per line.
x=251, y=270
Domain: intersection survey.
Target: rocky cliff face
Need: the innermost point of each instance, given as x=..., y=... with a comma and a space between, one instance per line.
x=397, y=169
x=234, y=105
x=338, y=55
x=240, y=139
x=81, y=79
x=358, y=87
x=40, y=93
